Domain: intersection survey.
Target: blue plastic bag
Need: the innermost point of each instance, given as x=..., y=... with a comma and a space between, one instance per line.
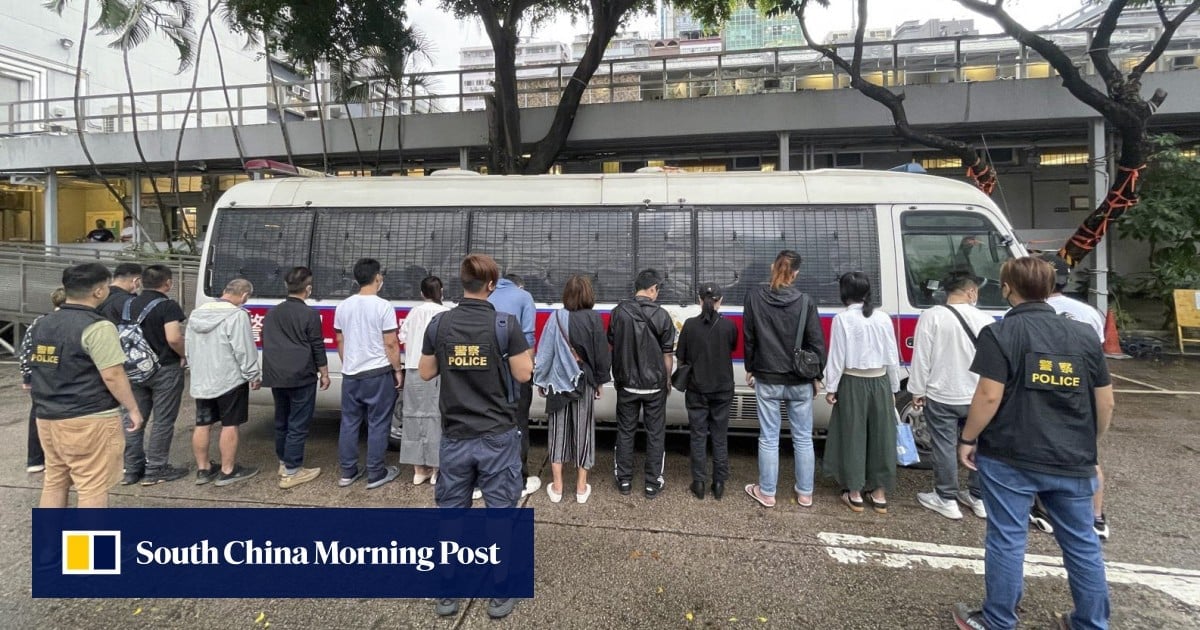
x=906, y=446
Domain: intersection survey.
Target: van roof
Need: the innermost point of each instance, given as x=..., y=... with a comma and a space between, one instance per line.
x=826, y=186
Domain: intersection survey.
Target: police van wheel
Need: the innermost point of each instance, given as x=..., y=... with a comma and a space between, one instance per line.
x=397, y=425
x=916, y=419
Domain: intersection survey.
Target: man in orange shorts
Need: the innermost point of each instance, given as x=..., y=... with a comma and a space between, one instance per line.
x=79, y=385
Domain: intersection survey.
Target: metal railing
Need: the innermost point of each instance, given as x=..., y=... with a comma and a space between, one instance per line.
x=32, y=272
x=891, y=63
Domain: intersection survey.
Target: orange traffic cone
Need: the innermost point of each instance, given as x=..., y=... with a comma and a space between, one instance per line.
x=1112, y=341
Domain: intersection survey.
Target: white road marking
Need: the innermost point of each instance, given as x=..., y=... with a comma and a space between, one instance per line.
x=1181, y=584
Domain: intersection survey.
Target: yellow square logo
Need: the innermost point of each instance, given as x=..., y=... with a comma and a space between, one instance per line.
x=91, y=553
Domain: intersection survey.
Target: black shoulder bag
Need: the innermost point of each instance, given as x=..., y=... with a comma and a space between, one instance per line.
x=970, y=335
x=805, y=363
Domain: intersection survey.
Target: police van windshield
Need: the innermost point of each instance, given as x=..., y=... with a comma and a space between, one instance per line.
x=937, y=243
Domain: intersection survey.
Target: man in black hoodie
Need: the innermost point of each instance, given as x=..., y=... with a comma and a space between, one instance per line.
x=642, y=335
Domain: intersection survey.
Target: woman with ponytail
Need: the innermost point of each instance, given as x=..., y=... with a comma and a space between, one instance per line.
x=422, y=417
x=773, y=315
x=706, y=346
x=861, y=380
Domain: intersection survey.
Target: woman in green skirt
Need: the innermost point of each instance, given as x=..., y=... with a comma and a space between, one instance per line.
x=861, y=380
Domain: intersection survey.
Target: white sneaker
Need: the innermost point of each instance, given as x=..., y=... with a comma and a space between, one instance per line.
x=36, y=468
x=931, y=501
x=975, y=504
x=476, y=494
x=532, y=484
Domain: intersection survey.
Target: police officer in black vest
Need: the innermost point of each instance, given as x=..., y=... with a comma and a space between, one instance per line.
x=481, y=444
x=79, y=384
x=1044, y=398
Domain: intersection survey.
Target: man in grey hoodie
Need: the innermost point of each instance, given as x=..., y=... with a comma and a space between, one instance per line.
x=224, y=363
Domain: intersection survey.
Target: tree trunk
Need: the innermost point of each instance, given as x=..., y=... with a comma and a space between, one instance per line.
x=321, y=117
x=387, y=88
x=163, y=213
x=81, y=130
x=1122, y=195
x=287, y=140
x=358, y=154
x=505, y=134
x=233, y=126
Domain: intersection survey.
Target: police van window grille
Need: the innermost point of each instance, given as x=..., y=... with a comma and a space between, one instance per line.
x=738, y=245
x=547, y=246
x=409, y=244
x=664, y=244
x=260, y=246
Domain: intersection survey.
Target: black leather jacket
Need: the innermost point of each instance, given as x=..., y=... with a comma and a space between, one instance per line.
x=640, y=332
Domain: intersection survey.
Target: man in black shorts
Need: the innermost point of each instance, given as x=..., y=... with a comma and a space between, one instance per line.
x=225, y=368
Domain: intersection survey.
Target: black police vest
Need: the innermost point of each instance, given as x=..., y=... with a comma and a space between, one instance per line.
x=1047, y=418
x=66, y=383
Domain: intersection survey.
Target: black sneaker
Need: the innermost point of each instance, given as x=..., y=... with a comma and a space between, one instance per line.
x=238, y=473
x=389, y=475
x=698, y=489
x=1100, y=524
x=446, y=607
x=500, y=608
x=163, y=475
x=205, y=475
x=968, y=619
x=1039, y=519
x=652, y=490
x=624, y=487
x=130, y=478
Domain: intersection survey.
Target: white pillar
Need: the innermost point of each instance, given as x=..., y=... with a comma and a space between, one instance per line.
x=1099, y=184
x=464, y=158
x=785, y=151
x=50, y=210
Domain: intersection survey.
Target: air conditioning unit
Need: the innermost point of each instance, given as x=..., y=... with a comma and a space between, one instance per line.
x=299, y=91
x=337, y=111
x=1006, y=155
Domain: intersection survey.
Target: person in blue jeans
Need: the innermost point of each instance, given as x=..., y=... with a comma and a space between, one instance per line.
x=480, y=371
x=372, y=371
x=770, y=321
x=1044, y=398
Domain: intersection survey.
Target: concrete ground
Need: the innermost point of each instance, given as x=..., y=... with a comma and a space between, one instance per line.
x=625, y=562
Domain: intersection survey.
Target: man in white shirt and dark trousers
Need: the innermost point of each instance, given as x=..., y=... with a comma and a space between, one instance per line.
x=1079, y=311
x=372, y=371
x=941, y=382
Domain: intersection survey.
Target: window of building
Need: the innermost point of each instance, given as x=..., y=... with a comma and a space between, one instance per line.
x=1064, y=157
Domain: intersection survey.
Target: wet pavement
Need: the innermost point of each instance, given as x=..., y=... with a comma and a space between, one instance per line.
x=675, y=562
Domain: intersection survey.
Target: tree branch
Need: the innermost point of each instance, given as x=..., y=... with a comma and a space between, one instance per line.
x=1099, y=52
x=1072, y=79
x=858, y=37
x=1160, y=46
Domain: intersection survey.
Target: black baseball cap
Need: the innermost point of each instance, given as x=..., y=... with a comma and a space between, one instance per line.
x=1062, y=271
x=710, y=290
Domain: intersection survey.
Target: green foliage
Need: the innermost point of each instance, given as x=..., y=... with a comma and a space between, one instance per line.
x=132, y=22
x=308, y=31
x=714, y=13
x=1168, y=218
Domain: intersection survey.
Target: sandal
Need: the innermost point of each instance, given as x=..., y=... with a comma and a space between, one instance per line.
x=854, y=505
x=555, y=497
x=880, y=507
x=803, y=500
x=756, y=493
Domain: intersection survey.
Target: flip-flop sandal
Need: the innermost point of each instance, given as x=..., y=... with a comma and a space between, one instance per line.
x=855, y=506
x=796, y=498
x=753, y=491
x=880, y=507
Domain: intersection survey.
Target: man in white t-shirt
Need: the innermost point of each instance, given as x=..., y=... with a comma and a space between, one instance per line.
x=941, y=382
x=128, y=230
x=1080, y=312
x=372, y=371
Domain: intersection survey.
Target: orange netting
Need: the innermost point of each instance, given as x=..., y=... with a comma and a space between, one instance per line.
x=983, y=176
x=1115, y=204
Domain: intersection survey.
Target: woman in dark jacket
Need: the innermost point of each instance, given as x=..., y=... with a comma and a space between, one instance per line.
x=770, y=322
x=706, y=345
x=572, y=424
